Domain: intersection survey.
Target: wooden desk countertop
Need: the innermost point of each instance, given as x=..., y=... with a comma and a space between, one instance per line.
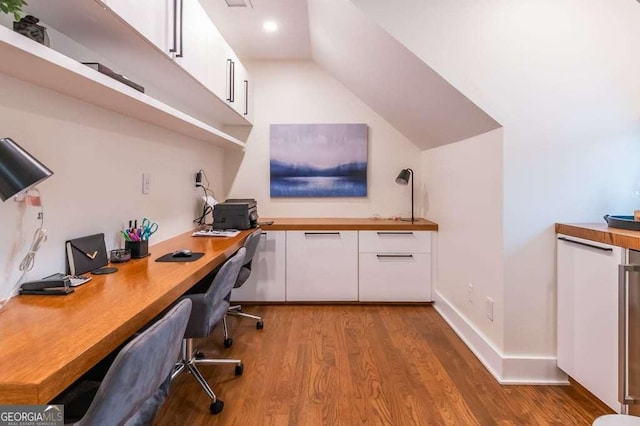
x=48, y=342
x=601, y=233
x=346, y=224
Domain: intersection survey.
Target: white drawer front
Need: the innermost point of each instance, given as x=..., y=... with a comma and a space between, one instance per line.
x=322, y=266
x=399, y=278
x=395, y=241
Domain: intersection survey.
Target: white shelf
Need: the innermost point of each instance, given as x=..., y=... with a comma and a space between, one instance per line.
x=30, y=61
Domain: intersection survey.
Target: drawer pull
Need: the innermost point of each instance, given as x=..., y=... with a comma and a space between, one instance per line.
x=321, y=233
x=263, y=233
x=394, y=233
x=580, y=243
x=394, y=255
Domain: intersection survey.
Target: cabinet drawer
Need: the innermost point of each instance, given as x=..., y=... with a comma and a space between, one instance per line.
x=395, y=241
x=322, y=266
x=395, y=278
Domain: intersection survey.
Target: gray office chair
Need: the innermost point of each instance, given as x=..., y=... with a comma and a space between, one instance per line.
x=251, y=245
x=136, y=384
x=208, y=310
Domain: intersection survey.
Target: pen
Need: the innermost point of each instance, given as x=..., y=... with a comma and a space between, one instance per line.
x=126, y=236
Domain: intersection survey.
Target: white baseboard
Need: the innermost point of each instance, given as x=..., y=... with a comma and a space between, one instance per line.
x=507, y=370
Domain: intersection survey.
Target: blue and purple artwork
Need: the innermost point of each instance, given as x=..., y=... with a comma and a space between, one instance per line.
x=318, y=160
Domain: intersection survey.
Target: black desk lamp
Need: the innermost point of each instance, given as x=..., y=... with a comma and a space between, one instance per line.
x=403, y=178
x=20, y=171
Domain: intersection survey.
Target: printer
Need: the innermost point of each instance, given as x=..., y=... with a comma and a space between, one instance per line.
x=235, y=213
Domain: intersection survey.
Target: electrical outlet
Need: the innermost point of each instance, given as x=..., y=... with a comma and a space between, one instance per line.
x=490, y=308
x=146, y=183
x=470, y=293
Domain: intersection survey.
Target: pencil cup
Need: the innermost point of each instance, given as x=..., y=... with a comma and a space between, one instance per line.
x=139, y=249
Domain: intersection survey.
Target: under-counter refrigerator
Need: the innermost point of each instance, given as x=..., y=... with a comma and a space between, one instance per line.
x=629, y=338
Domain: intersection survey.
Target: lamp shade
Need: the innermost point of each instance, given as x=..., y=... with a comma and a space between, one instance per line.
x=19, y=170
x=403, y=177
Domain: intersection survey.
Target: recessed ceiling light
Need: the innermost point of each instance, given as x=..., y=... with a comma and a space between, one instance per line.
x=239, y=3
x=270, y=26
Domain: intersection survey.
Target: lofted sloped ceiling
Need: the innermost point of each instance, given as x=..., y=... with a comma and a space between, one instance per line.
x=376, y=67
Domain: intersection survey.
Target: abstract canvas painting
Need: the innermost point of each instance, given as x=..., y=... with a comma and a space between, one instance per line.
x=318, y=160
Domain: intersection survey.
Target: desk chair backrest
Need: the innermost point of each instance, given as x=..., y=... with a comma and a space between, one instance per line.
x=139, y=370
x=210, y=307
x=251, y=245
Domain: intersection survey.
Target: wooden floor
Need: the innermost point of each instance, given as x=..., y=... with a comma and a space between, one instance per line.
x=369, y=365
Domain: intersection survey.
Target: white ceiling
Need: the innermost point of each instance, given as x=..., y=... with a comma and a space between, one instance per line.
x=376, y=67
x=242, y=28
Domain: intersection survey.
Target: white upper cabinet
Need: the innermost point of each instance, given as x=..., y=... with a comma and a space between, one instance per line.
x=200, y=49
x=154, y=19
x=235, y=75
x=182, y=30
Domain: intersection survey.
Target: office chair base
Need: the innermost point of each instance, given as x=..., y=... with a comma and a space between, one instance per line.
x=237, y=311
x=216, y=407
x=188, y=362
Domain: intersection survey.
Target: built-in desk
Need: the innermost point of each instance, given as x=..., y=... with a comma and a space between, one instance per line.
x=48, y=342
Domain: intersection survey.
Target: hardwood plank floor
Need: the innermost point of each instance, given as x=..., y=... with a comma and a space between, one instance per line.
x=368, y=365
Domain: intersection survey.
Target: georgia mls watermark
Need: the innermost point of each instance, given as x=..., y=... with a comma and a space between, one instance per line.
x=31, y=415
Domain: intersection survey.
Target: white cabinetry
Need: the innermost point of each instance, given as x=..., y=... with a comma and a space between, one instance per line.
x=237, y=94
x=267, y=280
x=201, y=48
x=322, y=266
x=151, y=18
x=394, y=266
x=588, y=315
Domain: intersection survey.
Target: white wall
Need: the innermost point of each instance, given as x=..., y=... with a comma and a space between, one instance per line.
x=98, y=158
x=302, y=92
x=562, y=78
x=463, y=184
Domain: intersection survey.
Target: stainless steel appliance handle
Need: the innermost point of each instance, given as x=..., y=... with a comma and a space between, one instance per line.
x=623, y=334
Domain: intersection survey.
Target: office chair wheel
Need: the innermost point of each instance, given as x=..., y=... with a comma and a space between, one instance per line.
x=198, y=355
x=228, y=342
x=239, y=369
x=259, y=325
x=216, y=407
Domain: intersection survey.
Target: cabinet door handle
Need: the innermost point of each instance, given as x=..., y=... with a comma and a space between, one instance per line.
x=623, y=333
x=246, y=97
x=175, y=27
x=229, y=62
x=263, y=233
x=393, y=255
x=580, y=243
x=179, y=53
x=394, y=233
x=321, y=233
x=233, y=81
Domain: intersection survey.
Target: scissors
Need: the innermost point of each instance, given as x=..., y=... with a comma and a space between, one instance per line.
x=148, y=228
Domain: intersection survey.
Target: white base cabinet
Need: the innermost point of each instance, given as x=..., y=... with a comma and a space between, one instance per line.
x=340, y=266
x=394, y=266
x=588, y=315
x=267, y=280
x=322, y=266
